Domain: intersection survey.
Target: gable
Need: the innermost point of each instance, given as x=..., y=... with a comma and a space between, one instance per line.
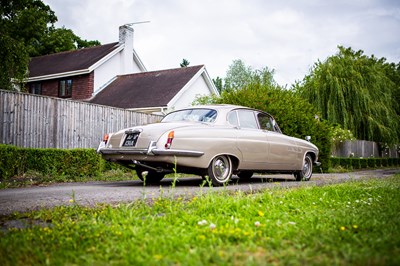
x=148, y=89
x=69, y=61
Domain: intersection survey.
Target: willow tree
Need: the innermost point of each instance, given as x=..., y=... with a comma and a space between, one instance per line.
x=356, y=92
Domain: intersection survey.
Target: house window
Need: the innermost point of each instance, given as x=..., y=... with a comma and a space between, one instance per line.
x=65, y=88
x=35, y=88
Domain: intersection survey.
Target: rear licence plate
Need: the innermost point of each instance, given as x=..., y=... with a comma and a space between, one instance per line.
x=131, y=139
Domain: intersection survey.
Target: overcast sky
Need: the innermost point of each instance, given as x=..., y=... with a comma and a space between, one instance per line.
x=288, y=36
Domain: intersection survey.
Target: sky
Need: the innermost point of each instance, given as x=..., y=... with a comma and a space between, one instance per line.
x=287, y=36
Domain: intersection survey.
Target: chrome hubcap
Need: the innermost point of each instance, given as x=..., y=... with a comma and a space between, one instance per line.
x=307, y=167
x=220, y=168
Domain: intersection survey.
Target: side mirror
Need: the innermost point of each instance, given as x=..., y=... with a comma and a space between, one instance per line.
x=308, y=138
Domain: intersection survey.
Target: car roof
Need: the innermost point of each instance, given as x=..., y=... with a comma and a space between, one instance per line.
x=222, y=109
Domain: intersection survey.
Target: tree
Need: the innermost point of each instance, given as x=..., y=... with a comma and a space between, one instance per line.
x=26, y=30
x=58, y=40
x=239, y=76
x=218, y=83
x=22, y=23
x=185, y=63
x=357, y=92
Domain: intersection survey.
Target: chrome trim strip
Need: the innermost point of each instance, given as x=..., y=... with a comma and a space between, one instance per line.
x=178, y=153
x=119, y=151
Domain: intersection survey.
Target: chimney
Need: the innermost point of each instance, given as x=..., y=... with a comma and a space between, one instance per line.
x=126, y=39
x=125, y=35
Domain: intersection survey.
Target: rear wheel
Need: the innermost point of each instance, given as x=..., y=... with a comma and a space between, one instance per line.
x=149, y=176
x=220, y=170
x=306, y=173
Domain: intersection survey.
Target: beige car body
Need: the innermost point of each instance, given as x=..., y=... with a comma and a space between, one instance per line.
x=195, y=144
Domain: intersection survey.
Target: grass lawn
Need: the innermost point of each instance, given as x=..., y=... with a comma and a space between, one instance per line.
x=355, y=223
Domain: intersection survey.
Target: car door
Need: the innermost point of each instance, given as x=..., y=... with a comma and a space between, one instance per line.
x=283, y=152
x=251, y=141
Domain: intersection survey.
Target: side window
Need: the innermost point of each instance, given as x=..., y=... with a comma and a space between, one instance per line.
x=247, y=119
x=232, y=118
x=266, y=122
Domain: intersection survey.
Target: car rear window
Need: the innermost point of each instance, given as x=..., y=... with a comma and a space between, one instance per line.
x=192, y=115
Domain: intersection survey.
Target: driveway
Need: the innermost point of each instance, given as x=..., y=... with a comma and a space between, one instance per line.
x=92, y=193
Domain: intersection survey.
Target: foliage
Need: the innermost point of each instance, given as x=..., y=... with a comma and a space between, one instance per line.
x=185, y=63
x=26, y=30
x=240, y=76
x=345, y=224
x=340, y=135
x=53, y=162
x=22, y=22
x=58, y=40
x=358, y=92
x=295, y=116
x=218, y=84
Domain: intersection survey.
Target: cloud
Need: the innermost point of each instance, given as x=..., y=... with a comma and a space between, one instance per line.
x=288, y=36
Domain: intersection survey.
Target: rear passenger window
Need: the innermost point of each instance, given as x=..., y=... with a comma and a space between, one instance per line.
x=232, y=118
x=247, y=119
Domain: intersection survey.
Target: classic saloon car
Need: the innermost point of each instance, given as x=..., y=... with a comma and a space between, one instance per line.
x=213, y=140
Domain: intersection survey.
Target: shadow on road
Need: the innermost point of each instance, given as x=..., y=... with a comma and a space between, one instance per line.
x=198, y=181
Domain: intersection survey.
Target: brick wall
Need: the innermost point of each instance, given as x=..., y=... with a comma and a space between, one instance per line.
x=82, y=87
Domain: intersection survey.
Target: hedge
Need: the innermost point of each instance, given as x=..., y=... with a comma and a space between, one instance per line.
x=363, y=163
x=54, y=162
x=16, y=161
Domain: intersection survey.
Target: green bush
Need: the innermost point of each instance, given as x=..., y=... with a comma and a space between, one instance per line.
x=70, y=162
x=335, y=162
x=356, y=163
x=371, y=162
x=364, y=163
x=346, y=163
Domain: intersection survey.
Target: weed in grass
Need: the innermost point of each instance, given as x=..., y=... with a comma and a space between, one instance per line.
x=347, y=224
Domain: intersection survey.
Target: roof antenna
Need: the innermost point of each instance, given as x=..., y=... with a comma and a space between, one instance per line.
x=139, y=22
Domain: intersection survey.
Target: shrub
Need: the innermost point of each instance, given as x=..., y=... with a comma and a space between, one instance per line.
x=356, y=163
x=371, y=162
x=71, y=162
x=364, y=163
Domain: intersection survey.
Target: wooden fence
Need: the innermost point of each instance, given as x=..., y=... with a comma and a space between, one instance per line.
x=364, y=149
x=28, y=120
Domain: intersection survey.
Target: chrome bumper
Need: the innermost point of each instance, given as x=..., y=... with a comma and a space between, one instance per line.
x=151, y=150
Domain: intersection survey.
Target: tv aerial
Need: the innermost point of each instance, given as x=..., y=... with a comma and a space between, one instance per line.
x=134, y=23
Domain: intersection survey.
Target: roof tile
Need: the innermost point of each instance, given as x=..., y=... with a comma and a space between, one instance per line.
x=147, y=89
x=69, y=61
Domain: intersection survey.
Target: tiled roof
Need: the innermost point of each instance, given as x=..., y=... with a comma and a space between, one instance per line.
x=147, y=89
x=69, y=61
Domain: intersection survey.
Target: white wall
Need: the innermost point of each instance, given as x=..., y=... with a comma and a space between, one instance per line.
x=189, y=93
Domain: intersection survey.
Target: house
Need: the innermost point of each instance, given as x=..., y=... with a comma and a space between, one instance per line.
x=114, y=75
x=81, y=73
x=157, y=91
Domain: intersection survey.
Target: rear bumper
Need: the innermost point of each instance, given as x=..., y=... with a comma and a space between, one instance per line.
x=151, y=150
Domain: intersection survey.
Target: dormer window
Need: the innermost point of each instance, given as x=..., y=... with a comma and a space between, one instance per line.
x=65, y=88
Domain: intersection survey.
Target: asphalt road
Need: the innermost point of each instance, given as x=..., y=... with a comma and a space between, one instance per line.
x=92, y=193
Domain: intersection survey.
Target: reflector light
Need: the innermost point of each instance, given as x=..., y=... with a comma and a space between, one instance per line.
x=171, y=136
x=105, y=138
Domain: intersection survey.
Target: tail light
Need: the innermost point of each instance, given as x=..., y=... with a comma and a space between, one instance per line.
x=105, y=138
x=171, y=136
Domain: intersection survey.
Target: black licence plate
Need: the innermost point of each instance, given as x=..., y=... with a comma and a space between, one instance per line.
x=131, y=139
